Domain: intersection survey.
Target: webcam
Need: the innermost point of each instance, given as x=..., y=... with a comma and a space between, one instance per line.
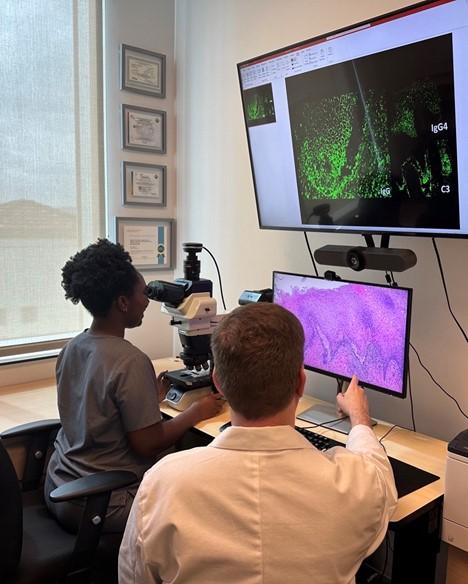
x=371, y=258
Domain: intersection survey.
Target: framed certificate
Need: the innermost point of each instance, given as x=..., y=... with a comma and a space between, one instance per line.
x=143, y=129
x=148, y=241
x=142, y=71
x=143, y=184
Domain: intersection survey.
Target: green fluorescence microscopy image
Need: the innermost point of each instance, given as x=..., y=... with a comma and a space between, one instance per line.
x=374, y=139
x=259, y=106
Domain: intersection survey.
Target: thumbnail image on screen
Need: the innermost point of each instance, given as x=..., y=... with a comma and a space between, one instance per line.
x=350, y=328
x=259, y=105
x=368, y=130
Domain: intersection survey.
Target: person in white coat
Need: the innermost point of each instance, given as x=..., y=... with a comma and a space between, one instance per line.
x=260, y=504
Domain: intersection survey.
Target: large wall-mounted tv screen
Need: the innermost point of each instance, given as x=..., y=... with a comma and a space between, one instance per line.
x=364, y=129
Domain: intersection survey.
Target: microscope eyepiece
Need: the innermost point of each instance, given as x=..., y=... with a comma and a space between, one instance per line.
x=171, y=293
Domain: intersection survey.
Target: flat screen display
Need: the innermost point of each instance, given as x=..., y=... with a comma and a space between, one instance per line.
x=364, y=129
x=351, y=328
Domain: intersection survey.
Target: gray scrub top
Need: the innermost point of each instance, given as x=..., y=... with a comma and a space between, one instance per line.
x=106, y=388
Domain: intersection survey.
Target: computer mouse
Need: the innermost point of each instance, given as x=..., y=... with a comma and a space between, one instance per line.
x=224, y=426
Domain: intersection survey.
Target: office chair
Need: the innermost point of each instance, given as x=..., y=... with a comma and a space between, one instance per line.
x=34, y=548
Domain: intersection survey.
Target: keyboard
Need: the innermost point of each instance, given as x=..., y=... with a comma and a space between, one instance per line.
x=319, y=441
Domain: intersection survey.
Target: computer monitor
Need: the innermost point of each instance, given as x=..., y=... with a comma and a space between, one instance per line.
x=364, y=129
x=351, y=328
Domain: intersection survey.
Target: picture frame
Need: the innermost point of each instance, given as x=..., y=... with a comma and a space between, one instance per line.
x=149, y=241
x=142, y=71
x=143, y=184
x=143, y=129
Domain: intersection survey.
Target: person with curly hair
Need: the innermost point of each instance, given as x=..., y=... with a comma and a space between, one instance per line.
x=108, y=393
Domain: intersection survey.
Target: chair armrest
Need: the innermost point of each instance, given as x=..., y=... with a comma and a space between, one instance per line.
x=96, y=490
x=94, y=484
x=31, y=428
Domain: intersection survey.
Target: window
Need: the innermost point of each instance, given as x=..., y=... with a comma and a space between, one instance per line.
x=51, y=191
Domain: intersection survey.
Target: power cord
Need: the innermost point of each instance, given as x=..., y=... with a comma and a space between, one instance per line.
x=391, y=282
x=436, y=382
x=382, y=573
x=410, y=391
x=219, y=275
x=445, y=288
x=311, y=254
x=390, y=279
x=387, y=433
x=378, y=577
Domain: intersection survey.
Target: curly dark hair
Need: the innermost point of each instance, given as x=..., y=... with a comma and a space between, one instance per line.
x=97, y=275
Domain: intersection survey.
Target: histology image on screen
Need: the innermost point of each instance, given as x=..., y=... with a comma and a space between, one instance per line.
x=374, y=139
x=350, y=329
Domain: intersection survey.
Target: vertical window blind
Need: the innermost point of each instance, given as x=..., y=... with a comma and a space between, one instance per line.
x=51, y=165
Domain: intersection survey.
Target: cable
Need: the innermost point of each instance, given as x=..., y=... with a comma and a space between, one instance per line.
x=219, y=275
x=387, y=433
x=438, y=384
x=410, y=391
x=382, y=573
x=390, y=279
x=391, y=282
x=445, y=288
x=389, y=543
x=311, y=254
x=378, y=577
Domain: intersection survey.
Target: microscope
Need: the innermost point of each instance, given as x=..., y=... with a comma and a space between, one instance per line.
x=190, y=304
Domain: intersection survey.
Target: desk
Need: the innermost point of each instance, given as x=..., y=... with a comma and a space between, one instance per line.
x=415, y=525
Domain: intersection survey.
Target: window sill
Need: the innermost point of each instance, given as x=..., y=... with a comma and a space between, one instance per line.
x=28, y=357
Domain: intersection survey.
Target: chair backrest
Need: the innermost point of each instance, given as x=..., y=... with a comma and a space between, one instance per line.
x=71, y=556
x=36, y=438
x=11, y=514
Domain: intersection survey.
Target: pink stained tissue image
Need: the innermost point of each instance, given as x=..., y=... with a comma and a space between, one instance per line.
x=350, y=329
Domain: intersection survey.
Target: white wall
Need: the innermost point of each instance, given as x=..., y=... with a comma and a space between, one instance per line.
x=147, y=24
x=216, y=200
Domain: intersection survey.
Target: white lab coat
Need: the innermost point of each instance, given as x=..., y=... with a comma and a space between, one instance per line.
x=260, y=506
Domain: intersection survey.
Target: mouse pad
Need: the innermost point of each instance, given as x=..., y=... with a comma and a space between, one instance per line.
x=409, y=478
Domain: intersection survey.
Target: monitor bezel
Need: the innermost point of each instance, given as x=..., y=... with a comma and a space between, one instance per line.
x=424, y=4
x=403, y=393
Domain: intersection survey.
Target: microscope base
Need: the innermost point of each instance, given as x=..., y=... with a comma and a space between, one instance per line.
x=180, y=399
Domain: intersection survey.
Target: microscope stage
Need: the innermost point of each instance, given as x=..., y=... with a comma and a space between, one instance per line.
x=189, y=379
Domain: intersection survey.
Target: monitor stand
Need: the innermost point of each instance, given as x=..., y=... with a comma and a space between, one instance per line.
x=326, y=416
